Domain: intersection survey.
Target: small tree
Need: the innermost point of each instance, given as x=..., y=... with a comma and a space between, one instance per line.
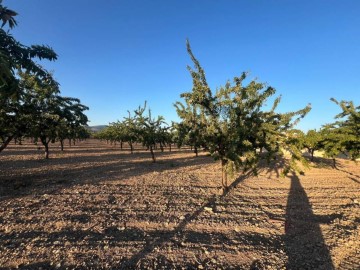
x=343, y=136
x=150, y=129
x=48, y=110
x=63, y=132
x=235, y=125
x=171, y=135
x=312, y=141
x=72, y=123
x=119, y=132
x=131, y=131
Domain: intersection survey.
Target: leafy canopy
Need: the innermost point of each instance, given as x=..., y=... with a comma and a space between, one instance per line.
x=234, y=124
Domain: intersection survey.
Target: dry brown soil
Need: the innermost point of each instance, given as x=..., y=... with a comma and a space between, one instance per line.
x=97, y=207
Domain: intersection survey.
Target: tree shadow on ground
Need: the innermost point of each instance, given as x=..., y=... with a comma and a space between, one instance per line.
x=304, y=241
x=355, y=180
x=24, y=177
x=92, y=238
x=305, y=245
x=354, y=177
x=179, y=229
x=320, y=162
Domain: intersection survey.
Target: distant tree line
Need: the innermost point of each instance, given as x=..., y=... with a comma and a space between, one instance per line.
x=141, y=127
x=30, y=100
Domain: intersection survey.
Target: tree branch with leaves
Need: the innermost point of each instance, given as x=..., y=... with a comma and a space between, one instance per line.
x=235, y=125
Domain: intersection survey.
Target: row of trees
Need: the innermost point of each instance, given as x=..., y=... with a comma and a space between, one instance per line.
x=340, y=137
x=30, y=100
x=233, y=125
x=140, y=127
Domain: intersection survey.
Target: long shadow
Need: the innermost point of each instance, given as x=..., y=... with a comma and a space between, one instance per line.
x=321, y=162
x=56, y=151
x=305, y=245
x=351, y=174
x=48, y=178
x=85, y=155
x=355, y=180
x=82, y=147
x=131, y=237
x=179, y=229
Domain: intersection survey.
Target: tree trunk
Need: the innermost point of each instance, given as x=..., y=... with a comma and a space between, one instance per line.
x=312, y=155
x=70, y=142
x=131, y=147
x=5, y=143
x=152, y=154
x=196, y=151
x=334, y=163
x=121, y=145
x=46, y=145
x=170, y=147
x=224, y=174
x=62, y=145
x=46, y=150
x=161, y=147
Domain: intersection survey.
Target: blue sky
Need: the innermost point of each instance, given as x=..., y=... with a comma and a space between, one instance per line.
x=115, y=54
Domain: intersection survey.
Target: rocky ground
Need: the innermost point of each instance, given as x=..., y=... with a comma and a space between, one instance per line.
x=97, y=207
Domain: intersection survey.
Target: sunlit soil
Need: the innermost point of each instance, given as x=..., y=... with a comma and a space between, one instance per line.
x=97, y=206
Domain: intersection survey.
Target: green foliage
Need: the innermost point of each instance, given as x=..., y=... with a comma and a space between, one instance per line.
x=30, y=101
x=150, y=130
x=131, y=130
x=140, y=128
x=190, y=129
x=233, y=125
x=313, y=141
x=7, y=16
x=16, y=57
x=343, y=136
x=50, y=116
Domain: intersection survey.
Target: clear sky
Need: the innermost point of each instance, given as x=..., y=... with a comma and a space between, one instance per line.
x=115, y=54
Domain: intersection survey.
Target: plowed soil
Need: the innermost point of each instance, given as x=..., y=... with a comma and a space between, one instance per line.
x=95, y=206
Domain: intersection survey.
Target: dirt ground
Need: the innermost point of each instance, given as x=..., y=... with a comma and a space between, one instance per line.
x=97, y=207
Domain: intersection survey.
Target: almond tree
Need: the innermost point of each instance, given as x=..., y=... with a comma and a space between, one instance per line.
x=119, y=132
x=48, y=110
x=349, y=125
x=15, y=57
x=71, y=129
x=235, y=124
x=131, y=130
x=103, y=134
x=312, y=141
x=343, y=136
x=149, y=129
